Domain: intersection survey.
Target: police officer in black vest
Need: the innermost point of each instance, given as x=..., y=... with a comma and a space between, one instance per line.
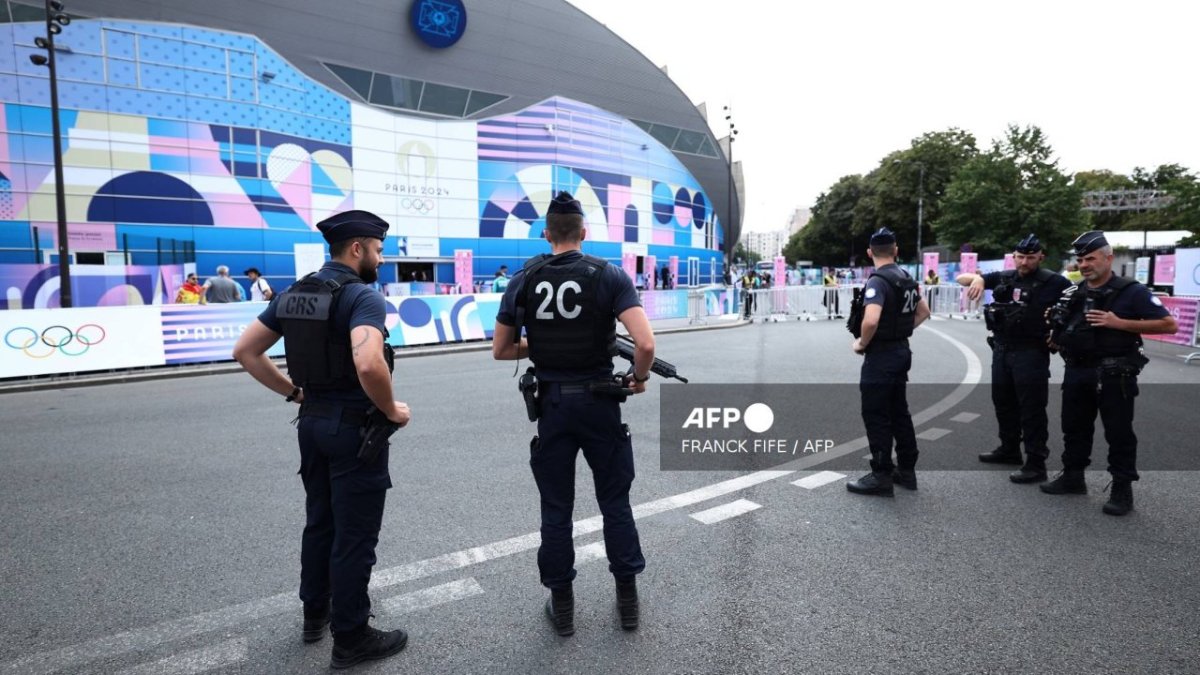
x=1098, y=330
x=339, y=366
x=568, y=304
x=893, y=308
x=1020, y=355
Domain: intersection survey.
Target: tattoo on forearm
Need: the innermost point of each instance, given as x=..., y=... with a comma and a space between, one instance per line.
x=366, y=335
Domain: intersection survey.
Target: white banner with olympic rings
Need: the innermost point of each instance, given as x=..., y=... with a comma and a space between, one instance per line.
x=54, y=341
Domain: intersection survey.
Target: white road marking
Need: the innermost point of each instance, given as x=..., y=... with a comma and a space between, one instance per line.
x=818, y=479
x=932, y=434
x=965, y=417
x=590, y=553
x=726, y=511
x=169, y=631
x=198, y=661
x=432, y=596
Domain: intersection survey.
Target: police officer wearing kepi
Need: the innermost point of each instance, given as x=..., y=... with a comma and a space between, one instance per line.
x=339, y=366
x=893, y=308
x=1098, y=328
x=568, y=304
x=1020, y=356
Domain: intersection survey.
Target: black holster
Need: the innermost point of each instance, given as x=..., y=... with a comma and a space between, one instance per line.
x=375, y=435
x=528, y=388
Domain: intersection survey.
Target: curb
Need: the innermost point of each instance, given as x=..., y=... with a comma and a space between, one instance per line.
x=198, y=370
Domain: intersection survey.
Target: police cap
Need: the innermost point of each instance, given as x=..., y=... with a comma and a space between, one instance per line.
x=1088, y=242
x=565, y=203
x=1030, y=244
x=883, y=237
x=350, y=224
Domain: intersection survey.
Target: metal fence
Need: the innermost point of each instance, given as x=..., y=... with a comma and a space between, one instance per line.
x=812, y=303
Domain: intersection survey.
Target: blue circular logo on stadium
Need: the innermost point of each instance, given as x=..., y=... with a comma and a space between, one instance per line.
x=439, y=23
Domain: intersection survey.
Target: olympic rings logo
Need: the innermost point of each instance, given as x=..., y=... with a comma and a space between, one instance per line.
x=55, y=339
x=422, y=206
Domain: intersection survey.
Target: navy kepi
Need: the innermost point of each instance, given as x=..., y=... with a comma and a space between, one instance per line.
x=350, y=224
x=1030, y=244
x=883, y=237
x=565, y=203
x=1088, y=242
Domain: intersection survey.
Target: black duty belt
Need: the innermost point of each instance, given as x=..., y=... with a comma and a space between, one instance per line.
x=355, y=417
x=569, y=388
x=1019, y=344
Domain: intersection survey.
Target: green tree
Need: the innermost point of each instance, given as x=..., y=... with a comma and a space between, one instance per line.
x=833, y=236
x=1015, y=188
x=746, y=255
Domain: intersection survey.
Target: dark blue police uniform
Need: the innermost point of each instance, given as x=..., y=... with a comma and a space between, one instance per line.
x=570, y=305
x=344, y=498
x=883, y=379
x=1021, y=362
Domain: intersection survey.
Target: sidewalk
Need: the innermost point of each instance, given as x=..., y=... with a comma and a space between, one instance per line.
x=661, y=327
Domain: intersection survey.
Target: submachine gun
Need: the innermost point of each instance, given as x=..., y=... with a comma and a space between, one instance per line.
x=614, y=387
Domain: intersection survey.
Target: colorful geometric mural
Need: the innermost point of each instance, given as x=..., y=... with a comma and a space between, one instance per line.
x=175, y=132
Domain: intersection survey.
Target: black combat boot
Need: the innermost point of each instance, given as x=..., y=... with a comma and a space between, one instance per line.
x=316, y=618
x=1069, y=482
x=560, y=609
x=1034, y=471
x=627, y=603
x=878, y=484
x=365, y=643
x=905, y=478
x=1001, y=455
x=1120, y=500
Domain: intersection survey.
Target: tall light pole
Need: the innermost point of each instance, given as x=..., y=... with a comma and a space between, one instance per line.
x=729, y=243
x=920, y=202
x=55, y=20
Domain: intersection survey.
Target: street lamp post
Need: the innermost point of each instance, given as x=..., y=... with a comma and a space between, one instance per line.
x=55, y=20
x=729, y=243
x=920, y=201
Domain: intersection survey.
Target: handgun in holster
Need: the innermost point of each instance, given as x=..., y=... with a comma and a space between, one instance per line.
x=375, y=435
x=528, y=388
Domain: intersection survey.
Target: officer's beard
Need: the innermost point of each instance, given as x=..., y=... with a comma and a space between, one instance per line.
x=368, y=273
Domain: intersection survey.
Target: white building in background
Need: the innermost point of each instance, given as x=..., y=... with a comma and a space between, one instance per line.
x=798, y=220
x=766, y=244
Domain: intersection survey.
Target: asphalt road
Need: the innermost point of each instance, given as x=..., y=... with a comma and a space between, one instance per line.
x=153, y=527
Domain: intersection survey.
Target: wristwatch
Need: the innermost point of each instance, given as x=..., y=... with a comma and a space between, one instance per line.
x=292, y=396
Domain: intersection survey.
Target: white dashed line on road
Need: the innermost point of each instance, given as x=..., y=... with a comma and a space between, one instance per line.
x=432, y=596
x=198, y=661
x=965, y=417
x=818, y=479
x=590, y=553
x=932, y=434
x=726, y=511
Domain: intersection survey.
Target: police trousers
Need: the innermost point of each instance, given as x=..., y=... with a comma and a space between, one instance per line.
x=573, y=419
x=1087, y=391
x=344, y=507
x=883, y=381
x=1020, y=392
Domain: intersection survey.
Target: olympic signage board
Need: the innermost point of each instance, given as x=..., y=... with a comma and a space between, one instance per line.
x=54, y=341
x=1187, y=271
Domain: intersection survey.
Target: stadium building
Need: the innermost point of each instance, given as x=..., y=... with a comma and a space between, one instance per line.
x=220, y=132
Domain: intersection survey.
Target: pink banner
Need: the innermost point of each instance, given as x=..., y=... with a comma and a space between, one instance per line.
x=1164, y=270
x=629, y=264
x=673, y=265
x=1184, y=310
x=780, y=278
x=651, y=271
x=1009, y=263
x=969, y=263
x=931, y=263
x=463, y=272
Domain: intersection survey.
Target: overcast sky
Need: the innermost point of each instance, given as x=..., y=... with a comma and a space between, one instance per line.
x=824, y=89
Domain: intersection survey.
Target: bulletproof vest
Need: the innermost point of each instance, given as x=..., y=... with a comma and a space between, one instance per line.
x=1015, y=313
x=318, y=354
x=1079, y=338
x=565, y=326
x=900, y=308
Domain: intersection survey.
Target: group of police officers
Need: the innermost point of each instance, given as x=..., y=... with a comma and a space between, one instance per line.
x=561, y=310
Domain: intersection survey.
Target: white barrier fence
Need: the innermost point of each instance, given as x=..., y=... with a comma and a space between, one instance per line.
x=809, y=303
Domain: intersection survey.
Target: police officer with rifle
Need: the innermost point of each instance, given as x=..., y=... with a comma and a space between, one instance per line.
x=339, y=371
x=568, y=304
x=1097, y=327
x=1020, y=356
x=884, y=316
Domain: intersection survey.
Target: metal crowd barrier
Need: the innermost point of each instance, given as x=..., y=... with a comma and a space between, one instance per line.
x=697, y=307
x=950, y=300
x=807, y=303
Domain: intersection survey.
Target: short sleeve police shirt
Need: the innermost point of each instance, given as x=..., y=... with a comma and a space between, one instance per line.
x=1137, y=302
x=359, y=304
x=616, y=291
x=875, y=291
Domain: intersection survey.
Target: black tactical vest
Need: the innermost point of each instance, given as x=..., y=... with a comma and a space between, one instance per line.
x=1080, y=339
x=1015, y=313
x=899, y=315
x=318, y=354
x=565, y=327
